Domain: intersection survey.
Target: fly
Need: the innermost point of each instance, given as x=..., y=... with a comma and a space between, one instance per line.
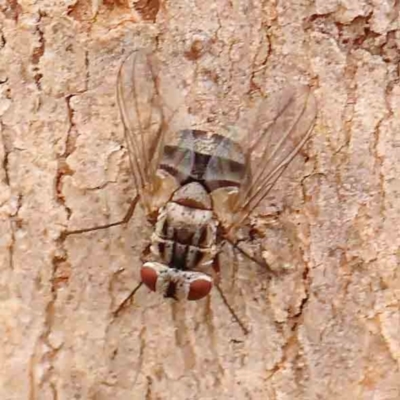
x=197, y=188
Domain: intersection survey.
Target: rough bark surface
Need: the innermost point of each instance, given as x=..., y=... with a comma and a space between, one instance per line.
x=327, y=326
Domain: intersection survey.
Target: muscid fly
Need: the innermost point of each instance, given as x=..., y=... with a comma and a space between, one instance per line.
x=198, y=188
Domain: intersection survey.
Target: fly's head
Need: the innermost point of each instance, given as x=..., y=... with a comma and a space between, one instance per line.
x=178, y=284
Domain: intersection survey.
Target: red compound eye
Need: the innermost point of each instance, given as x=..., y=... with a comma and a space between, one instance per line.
x=149, y=277
x=199, y=288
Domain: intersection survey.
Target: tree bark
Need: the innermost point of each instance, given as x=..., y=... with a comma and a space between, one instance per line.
x=324, y=324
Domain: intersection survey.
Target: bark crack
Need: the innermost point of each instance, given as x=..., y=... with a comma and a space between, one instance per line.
x=70, y=146
x=13, y=215
x=70, y=142
x=2, y=44
x=59, y=274
x=7, y=152
x=38, y=52
x=375, y=146
x=50, y=355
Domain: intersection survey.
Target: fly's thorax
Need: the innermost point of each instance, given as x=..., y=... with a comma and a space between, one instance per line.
x=193, y=195
x=185, y=235
x=206, y=157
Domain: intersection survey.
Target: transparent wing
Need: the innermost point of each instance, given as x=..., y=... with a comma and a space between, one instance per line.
x=227, y=166
x=283, y=125
x=142, y=114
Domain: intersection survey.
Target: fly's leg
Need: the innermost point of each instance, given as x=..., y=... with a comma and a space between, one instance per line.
x=232, y=311
x=216, y=267
x=236, y=245
x=125, y=220
x=129, y=298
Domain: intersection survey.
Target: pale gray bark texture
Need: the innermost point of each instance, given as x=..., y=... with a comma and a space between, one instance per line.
x=324, y=325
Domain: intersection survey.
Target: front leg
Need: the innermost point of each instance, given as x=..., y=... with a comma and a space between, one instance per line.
x=125, y=220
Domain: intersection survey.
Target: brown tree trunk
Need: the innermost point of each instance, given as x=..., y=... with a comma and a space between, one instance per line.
x=324, y=325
